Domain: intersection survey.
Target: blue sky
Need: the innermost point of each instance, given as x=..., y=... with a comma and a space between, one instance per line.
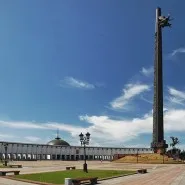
x=88, y=66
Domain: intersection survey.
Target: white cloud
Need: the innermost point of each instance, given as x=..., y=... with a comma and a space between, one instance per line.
x=146, y=100
x=6, y=136
x=127, y=129
x=74, y=130
x=32, y=138
x=147, y=71
x=176, y=96
x=44, y=126
x=22, y=125
x=174, y=120
x=100, y=84
x=107, y=131
x=72, y=82
x=177, y=51
x=129, y=92
x=177, y=93
x=118, y=130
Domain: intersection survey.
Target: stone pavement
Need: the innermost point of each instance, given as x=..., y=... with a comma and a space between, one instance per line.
x=158, y=174
x=164, y=176
x=4, y=181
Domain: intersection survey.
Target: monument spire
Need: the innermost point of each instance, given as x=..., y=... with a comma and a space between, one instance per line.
x=158, y=144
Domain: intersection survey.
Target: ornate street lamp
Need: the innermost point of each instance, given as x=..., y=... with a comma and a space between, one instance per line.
x=6, y=147
x=85, y=141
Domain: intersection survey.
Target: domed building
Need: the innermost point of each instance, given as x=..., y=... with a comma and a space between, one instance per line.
x=58, y=141
x=58, y=149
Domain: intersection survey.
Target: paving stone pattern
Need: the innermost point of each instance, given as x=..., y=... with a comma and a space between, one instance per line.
x=158, y=174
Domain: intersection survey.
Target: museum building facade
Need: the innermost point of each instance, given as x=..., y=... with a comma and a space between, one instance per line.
x=59, y=149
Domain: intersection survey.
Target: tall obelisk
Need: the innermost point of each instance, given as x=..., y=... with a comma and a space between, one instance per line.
x=159, y=144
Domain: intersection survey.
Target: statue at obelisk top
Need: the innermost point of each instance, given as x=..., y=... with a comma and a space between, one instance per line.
x=159, y=144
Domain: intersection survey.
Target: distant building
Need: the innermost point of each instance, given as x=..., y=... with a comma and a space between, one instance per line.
x=59, y=149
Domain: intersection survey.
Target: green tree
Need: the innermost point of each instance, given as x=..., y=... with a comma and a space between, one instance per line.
x=174, y=141
x=182, y=155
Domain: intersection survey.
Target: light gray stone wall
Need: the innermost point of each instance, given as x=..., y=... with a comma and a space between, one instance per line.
x=40, y=151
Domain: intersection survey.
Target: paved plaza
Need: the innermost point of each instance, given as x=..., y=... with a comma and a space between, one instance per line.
x=158, y=173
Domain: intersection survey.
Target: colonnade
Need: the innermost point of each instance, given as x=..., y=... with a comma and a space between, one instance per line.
x=25, y=151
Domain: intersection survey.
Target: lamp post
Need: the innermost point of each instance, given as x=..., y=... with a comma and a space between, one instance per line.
x=84, y=141
x=6, y=147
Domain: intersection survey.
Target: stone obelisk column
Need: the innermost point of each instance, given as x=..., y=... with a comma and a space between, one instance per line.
x=158, y=144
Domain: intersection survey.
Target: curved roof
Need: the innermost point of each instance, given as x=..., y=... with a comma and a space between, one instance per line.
x=58, y=141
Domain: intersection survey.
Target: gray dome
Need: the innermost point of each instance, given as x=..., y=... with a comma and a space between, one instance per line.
x=58, y=141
